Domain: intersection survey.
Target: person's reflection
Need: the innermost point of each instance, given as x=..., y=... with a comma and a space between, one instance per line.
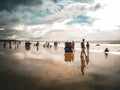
x=55, y=45
x=106, y=55
x=82, y=64
x=84, y=60
x=15, y=47
x=10, y=45
x=4, y=45
x=17, y=44
x=87, y=59
x=69, y=56
x=37, y=48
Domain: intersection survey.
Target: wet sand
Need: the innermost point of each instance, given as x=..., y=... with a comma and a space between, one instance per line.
x=48, y=69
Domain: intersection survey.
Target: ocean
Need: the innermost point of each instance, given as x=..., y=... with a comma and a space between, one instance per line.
x=113, y=48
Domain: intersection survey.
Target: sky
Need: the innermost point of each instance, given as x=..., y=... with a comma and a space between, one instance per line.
x=60, y=19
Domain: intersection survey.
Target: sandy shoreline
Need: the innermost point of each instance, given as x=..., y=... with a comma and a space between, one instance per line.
x=47, y=69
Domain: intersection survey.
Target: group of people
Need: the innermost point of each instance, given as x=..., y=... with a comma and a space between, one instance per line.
x=47, y=44
x=70, y=47
x=9, y=44
x=69, y=53
x=83, y=53
x=83, y=48
x=28, y=44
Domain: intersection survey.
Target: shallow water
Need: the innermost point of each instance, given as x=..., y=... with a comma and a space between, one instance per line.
x=51, y=68
x=113, y=48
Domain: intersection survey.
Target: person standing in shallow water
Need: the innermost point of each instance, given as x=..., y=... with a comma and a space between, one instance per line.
x=37, y=45
x=83, y=47
x=88, y=46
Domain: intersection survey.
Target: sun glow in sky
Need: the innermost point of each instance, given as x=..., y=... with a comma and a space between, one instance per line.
x=60, y=19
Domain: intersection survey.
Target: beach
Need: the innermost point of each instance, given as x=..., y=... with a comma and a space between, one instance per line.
x=52, y=69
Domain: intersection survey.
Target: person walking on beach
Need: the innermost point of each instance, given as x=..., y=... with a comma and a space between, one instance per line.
x=37, y=45
x=83, y=47
x=88, y=46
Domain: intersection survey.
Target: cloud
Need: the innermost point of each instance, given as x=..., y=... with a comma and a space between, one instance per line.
x=13, y=34
x=96, y=6
x=52, y=18
x=46, y=11
x=68, y=12
x=107, y=17
x=80, y=19
x=9, y=5
x=10, y=20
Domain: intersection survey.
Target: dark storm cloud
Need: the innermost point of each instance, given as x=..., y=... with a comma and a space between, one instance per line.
x=13, y=12
x=16, y=34
x=9, y=32
x=9, y=18
x=55, y=0
x=10, y=22
x=9, y=5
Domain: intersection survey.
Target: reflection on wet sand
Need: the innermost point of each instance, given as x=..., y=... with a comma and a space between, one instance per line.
x=87, y=59
x=69, y=56
x=106, y=55
x=82, y=65
x=84, y=60
x=46, y=69
x=10, y=45
x=4, y=45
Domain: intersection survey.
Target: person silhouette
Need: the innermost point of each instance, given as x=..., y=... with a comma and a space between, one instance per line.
x=55, y=45
x=106, y=50
x=83, y=47
x=73, y=45
x=27, y=45
x=37, y=46
x=4, y=45
x=87, y=46
x=10, y=45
